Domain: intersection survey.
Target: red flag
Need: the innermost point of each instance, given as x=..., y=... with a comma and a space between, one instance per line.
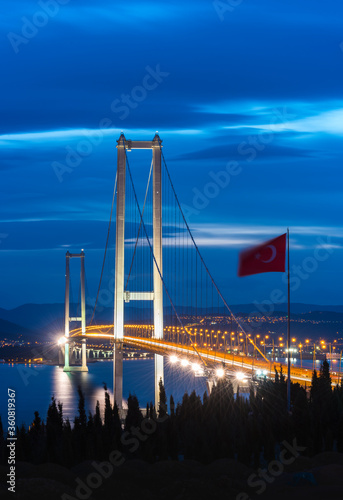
x=266, y=258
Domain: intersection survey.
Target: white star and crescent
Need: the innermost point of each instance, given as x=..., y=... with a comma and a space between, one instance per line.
x=272, y=257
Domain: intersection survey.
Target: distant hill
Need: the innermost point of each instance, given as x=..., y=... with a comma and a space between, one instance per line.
x=33, y=316
x=47, y=320
x=13, y=331
x=297, y=308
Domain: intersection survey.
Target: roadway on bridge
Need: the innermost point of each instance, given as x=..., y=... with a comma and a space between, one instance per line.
x=212, y=356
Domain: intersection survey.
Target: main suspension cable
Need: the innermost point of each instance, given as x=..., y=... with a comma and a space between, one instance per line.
x=203, y=262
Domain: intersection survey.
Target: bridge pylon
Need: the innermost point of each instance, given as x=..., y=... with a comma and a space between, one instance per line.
x=120, y=295
x=67, y=319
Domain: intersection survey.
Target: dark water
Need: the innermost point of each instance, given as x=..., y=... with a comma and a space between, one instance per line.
x=308, y=363
x=36, y=384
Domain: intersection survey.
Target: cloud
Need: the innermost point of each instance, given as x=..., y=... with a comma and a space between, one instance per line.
x=294, y=116
x=330, y=122
x=241, y=236
x=268, y=66
x=232, y=152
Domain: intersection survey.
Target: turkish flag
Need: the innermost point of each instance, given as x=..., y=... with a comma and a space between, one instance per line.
x=266, y=258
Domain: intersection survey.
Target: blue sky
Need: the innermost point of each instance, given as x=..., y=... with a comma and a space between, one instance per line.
x=253, y=89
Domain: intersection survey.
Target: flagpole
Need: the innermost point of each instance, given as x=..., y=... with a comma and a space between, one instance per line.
x=288, y=330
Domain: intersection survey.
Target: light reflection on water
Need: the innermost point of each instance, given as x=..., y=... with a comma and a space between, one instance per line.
x=36, y=384
x=308, y=363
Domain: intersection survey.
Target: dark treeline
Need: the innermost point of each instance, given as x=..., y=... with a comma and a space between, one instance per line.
x=222, y=425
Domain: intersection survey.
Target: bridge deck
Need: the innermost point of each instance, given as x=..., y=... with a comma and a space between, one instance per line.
x=212, y=356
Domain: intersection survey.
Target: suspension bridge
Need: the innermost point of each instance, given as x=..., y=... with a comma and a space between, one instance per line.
x=165, y=298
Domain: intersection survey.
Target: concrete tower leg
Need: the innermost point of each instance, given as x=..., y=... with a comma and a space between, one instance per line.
x=84, y=355
x=66, y=315
x=83, y=315
x=157, y=248
x=119, y=276
x=118, y=373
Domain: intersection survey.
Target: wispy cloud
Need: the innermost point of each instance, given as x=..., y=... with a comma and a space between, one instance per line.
x=79, y=133
x=234, y=235
x=297, y=116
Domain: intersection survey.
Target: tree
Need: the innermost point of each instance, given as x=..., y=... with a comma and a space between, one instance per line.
x=325, y=378
x=134, y=416
x=37, y=423
x=314, y=384
x=54, y=426
x=108, y=420
x=162, y=406
x=97, y=417
x=152, y=412
x=80, y=442
x=172, y=406
x=81, y=420
x=68, y=452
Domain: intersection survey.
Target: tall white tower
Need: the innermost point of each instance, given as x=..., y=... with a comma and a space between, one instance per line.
x=157, y=294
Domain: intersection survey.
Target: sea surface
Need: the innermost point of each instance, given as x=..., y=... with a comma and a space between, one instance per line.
x=36, y=384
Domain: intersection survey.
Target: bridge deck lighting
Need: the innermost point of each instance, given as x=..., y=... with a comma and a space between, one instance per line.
x=196, y=367
x=220, y=372
x=240, y=376
x=62, y=340
x=184, y=362
x=173, y=359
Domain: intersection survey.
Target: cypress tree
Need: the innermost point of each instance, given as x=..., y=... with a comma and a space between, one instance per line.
x=314, y=384
x=172, y=406
x=68, y=452
x=54, y=426
x=162, y=407
x=325, y=379
x=97, y=417
x=81, y=420
x=80, y=442
x=152, y=412
x=134, y=416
